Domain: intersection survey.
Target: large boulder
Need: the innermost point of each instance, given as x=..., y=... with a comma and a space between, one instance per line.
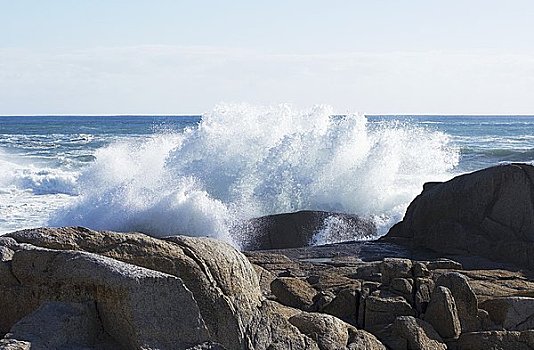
x=489, y=213
x=299, y=229
x=126, y=296
x=222, y=280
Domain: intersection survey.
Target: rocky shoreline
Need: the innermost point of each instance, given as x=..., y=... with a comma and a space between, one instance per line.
x=456, y=273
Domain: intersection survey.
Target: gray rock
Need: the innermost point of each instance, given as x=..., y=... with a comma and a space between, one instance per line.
x=511, y=313
x=489, y=213
x=464, y=297
x=498, y=340
x=382, y=311
x=344, y=305
x=402, y=286
x=395, y=268
x=423, y=290
x=292, y=230
x=442, y=314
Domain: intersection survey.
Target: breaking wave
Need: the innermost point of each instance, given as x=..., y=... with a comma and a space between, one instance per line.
x=246, y=161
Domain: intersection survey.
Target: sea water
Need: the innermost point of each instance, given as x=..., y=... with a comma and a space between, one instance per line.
x=202, y=175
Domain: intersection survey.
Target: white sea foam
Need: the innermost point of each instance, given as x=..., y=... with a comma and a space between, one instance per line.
x=245, y=161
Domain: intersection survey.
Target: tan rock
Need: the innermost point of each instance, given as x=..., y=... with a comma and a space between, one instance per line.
x=293, y=292
x=419, y=335
x=126, y=296
x=223, y=282
x=331, y=333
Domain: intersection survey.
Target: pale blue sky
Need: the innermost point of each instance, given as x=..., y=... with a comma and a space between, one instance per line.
x=179, y=57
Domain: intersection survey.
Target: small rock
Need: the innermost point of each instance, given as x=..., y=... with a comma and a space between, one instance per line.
x=395, y=267
x=402, y=286
x=382, y=311
x=419, y=334
x=293, y=292
x=442, y=314
x=420, y=269
x=344, y=305
x=329, y=332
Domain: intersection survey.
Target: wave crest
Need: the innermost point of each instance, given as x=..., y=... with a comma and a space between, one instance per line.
x=246, y=161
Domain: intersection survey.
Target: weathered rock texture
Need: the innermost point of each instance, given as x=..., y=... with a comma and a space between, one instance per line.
x=488, y=213
x=101, y=290
x=292, y=230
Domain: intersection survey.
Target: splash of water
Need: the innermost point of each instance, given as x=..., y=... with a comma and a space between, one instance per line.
x=245, y=161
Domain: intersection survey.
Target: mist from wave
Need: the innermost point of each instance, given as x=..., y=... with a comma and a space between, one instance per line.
x=245, y=161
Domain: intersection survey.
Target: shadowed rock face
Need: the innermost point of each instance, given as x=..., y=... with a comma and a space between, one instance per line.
x=488, y=213
x=294, y=230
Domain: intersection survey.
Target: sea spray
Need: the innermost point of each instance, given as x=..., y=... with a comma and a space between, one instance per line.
x=245, y=161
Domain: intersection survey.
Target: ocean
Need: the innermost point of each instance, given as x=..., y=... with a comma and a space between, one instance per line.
x=202, y=175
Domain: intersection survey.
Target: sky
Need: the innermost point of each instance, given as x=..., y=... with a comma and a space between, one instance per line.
x=184, y=57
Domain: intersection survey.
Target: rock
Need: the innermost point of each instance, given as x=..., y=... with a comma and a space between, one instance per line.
x=419, y=335
x=57, y=325
x=402, y=286
x=444, y=264
x=362, y=340
x=512, y=313
x=293, y=292
x=423, y=290
x=276, y=332
x=292, y=230
x=207, y=346
x=265, y=278
x=488, y=213
x=126, y=296
x=464, y=297
x=420, y=270
x=8, y=242
x=394, y=268
x=331, y=333
x=382, y=311
x=225, y=289
x=442, y=314
x=11, y=344
x=345, y=305
x=501, y=340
